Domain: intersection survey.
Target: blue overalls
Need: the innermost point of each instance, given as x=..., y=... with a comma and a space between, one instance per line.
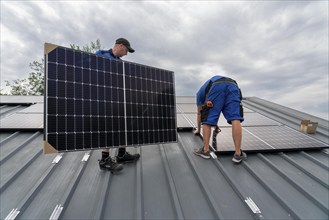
x=225, y=96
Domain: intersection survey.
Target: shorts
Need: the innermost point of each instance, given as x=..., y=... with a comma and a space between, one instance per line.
x=226, y=98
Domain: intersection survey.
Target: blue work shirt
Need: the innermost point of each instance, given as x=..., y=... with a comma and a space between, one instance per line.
x=107, y=53
x=201, y=94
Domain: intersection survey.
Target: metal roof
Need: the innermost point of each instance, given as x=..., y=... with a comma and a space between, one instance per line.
x=168, y=182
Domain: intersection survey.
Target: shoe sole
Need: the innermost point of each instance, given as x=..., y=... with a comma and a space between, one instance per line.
x=238, y=161
x=201, y=155
x=111, y=170
x=128, y=161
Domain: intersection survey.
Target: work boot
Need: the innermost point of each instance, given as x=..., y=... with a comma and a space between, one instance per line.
x=127, y=158
x=109, y=164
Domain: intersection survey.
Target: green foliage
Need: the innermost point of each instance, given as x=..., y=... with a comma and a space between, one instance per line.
x=94, y=46
x=34, y=84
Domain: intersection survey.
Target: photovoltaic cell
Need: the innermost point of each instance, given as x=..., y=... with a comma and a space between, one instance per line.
x=94, y=102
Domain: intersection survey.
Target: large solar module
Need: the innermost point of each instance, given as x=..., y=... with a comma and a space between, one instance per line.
x=267, y=138
x=94, y=102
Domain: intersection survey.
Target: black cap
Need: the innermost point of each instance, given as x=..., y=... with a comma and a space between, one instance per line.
x=126, y=43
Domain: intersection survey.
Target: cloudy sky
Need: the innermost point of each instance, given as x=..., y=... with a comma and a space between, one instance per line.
x=276, y=50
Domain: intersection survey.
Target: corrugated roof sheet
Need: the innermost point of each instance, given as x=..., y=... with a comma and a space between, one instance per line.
x=168, y=182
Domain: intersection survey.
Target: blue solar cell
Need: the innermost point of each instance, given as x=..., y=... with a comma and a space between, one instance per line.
x=86, y=108
x=100, y=78
x=93, y=77
x=60, y=55
x=52, y=123
x=85, y=92
x=93, y=92
x=70, y=107
x=93, y=63
x=78, y=141
x=86, y=76
x=52, y=106
x=52, y=56
x=70, y=74
x=51, y=88
x=102, y=138
x=70, y=124
x=78, y=75
x=100, y=63
x=61, y=69
x=87, y=139
x=101, y=93
x=61, y=106
x=78, y=91
x=86, y=60
x=52, y=71
x=69, y=57
x=70, y=92
x=61, y=88
x=78, y=107
x=77, y=59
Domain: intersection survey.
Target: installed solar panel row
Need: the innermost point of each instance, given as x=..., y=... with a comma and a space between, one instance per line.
x=95, y=102
x=267, y=138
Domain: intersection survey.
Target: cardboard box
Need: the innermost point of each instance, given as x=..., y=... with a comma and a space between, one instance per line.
x=308, y=126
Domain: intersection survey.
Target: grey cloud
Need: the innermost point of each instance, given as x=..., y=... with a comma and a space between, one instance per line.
x=271, y=48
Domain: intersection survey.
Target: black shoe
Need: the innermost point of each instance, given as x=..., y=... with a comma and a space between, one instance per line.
x=109, y=164
x=200, y=152
x=238, y=159
x=128, y=158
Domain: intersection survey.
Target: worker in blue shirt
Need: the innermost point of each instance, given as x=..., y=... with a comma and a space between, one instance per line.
x=216, y=95
x=120, y=49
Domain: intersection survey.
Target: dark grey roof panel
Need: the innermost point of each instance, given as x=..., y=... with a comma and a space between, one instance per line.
x=7, y=110
x=11, y=99
x=168, y=182
x=32, y=109
x=22, y=121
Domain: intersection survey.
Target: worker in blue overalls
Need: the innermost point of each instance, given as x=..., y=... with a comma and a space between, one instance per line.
x=120, y=49
x=219, y=94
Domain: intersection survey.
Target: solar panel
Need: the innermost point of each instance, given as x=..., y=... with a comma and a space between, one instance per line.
x=283, y=137
x=250, y=119
x=249, y=142
x=94, y=102
x=267, y=138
